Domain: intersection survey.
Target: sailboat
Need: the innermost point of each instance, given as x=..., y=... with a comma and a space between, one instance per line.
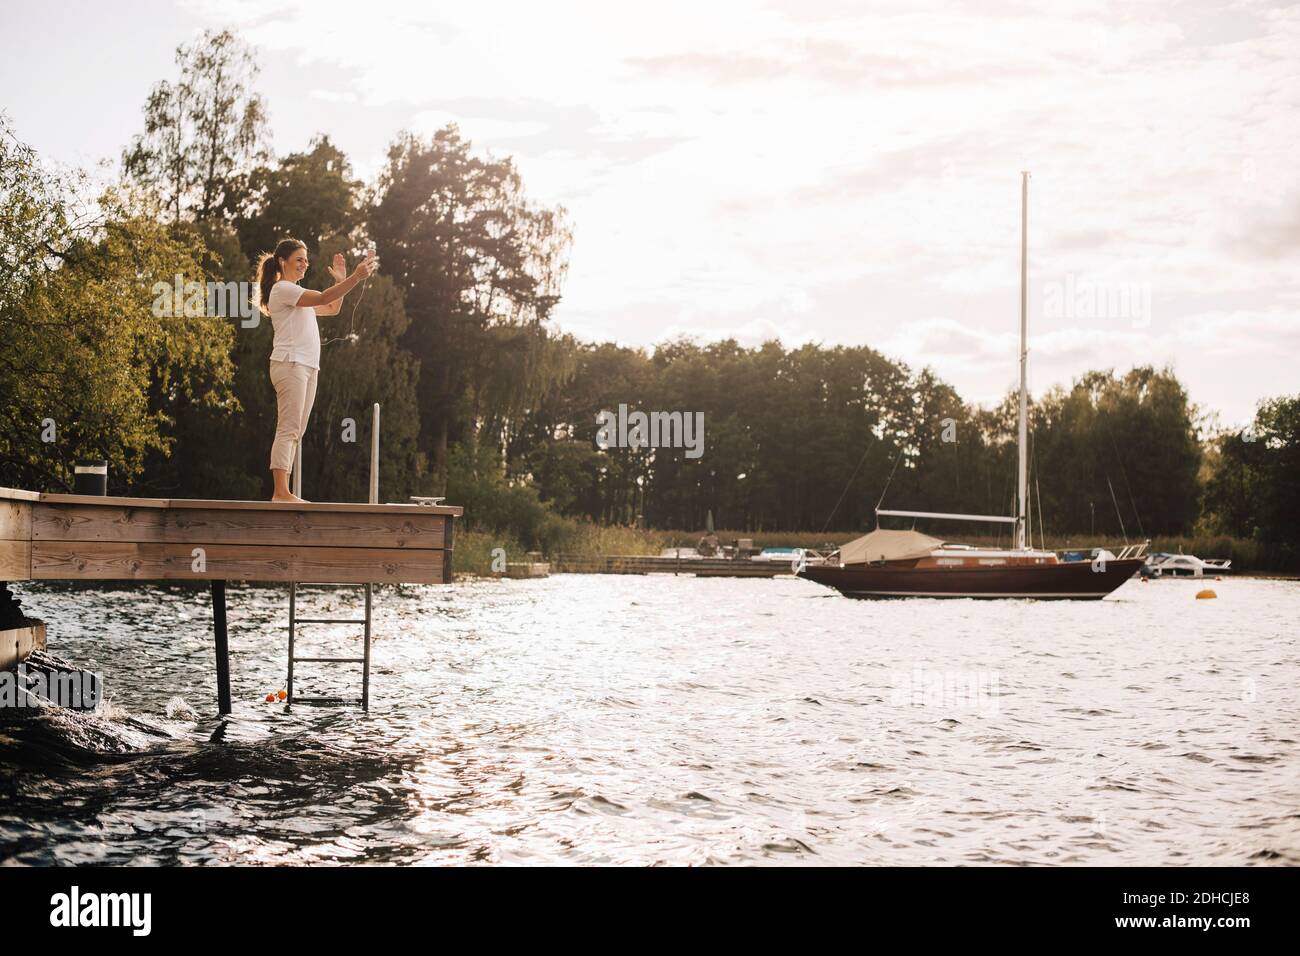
x=892, y=563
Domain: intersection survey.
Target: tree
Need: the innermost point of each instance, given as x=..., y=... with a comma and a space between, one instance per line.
x=480, y=268
x=309, y=196
x=36, y=217
x=1125, y=447
x=1254, y=491
x=223, y=452
x=202, y=130
x=92, y=370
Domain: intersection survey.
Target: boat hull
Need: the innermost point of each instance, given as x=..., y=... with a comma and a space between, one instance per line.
x=1076, y=580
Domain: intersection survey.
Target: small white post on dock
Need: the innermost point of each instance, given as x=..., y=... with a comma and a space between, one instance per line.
x=297, y=468
x=374, y=455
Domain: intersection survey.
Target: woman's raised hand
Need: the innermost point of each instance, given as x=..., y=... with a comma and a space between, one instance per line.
x=339, y=269
x=366, y=267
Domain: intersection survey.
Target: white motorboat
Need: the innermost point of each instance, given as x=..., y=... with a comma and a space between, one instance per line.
x=803, y=557
x=1165, y=565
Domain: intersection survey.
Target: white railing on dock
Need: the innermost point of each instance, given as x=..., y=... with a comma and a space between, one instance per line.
x=374, y=455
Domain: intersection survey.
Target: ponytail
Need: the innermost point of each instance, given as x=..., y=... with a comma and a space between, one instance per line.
x=267, y=272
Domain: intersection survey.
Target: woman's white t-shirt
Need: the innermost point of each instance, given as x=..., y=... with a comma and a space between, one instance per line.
x=297, y=336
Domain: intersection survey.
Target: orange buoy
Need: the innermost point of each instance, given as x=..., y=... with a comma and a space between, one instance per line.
x=1204, y=594
x=282, y=695
x=270, y=698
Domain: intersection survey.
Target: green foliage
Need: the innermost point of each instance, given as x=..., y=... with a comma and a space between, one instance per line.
x=481, y=269
x=200, y=131
x=223, y=452
x=1254, y=491
x=88, y=363
x=312, y=197
x=1133, y=434
x=475, y=552
x=307, y=196
x=808, y=438
x=36, y=217
x=494, y=504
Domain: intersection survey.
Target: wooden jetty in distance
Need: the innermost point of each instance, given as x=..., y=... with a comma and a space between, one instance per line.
x=535, y=566
x=58, y=537
x=669, y=564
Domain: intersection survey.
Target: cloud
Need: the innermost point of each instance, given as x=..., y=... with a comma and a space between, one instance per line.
x=1267, y=232
x=844, y=170
x=1243, y=332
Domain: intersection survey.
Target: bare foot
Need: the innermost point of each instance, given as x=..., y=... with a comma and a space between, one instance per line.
x=289, y=499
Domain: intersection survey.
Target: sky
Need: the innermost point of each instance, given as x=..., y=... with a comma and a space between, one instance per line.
x=846, y=173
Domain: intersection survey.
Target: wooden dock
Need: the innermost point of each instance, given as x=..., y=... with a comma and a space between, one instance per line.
x=81, y=537
x=55, y=537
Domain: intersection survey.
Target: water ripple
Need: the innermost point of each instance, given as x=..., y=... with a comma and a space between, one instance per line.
x=669, y=720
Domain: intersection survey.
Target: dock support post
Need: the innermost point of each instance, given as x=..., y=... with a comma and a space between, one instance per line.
x=223, y=647
x=293, y=633
x=370, y=588
x=365, y=664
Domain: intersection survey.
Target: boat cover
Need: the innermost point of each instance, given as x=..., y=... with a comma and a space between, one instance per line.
x=885, y=545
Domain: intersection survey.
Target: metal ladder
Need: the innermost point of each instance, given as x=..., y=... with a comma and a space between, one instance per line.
x=363, y=660
x=294, y=620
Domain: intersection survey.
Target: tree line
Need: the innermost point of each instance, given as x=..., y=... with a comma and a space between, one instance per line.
x=483, y=399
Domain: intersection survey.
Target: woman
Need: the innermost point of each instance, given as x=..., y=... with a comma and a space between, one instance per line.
x=295, y=353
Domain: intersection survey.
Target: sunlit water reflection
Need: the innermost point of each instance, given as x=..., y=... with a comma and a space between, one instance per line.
x=661, y=719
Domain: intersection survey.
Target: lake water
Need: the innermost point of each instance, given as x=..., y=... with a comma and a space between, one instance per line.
x=674, y=720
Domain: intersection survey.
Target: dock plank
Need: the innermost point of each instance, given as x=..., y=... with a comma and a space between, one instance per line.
x=124, y=561
x=101, y=522
x=15, y=560
x=17, y=494
x=15, y=539
x=237, y=505
x=15, y=520
x=82, y=522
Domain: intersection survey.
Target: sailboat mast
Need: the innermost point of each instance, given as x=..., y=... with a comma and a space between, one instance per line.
x=1022, y=443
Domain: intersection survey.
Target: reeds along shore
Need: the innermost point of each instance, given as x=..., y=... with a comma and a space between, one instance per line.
x=474, y=549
